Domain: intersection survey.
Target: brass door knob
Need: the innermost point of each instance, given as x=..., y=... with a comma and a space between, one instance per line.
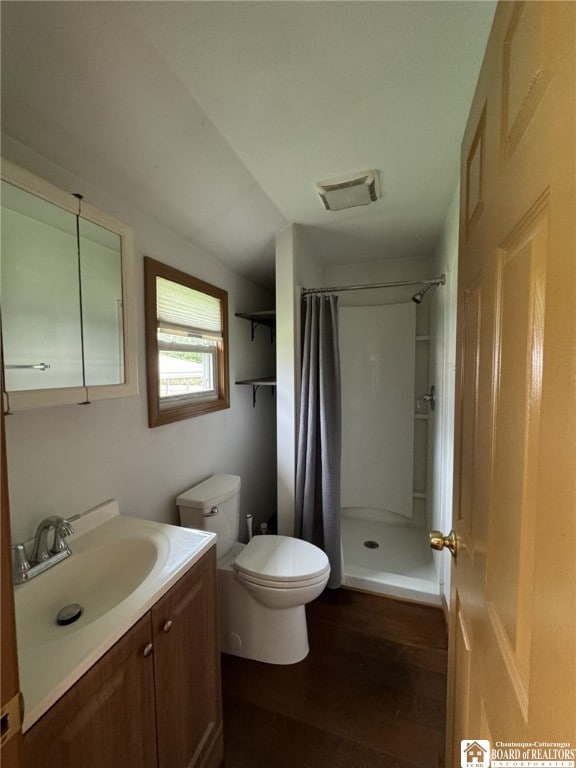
x=439, y=541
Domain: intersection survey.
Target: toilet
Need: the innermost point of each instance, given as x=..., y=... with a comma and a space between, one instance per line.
x=264, y=585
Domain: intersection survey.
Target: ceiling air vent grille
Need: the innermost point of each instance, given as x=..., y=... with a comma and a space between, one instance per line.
x=349, y=191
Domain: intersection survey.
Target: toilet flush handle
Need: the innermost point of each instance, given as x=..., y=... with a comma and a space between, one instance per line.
x=213, y=511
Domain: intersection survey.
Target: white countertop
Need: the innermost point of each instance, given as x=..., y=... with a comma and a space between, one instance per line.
x=114, y=557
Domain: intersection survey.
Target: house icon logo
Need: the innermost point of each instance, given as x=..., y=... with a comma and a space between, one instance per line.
x=475, y=754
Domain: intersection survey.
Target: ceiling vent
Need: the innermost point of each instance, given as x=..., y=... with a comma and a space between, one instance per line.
x=349, y=191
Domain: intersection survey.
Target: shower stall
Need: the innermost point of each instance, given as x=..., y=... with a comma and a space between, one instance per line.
x=387, y=408
x=410, y=446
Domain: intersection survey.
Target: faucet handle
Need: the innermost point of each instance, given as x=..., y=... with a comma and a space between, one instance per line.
x=20, y=564
x=61, y=530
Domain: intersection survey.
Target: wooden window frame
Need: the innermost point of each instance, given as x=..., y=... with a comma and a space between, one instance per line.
x=158, y=416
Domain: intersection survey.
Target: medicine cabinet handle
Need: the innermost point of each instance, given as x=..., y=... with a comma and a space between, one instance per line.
x=35, y=366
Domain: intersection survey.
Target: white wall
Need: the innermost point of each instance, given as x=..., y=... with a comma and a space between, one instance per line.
x=64, y=460
x=443, y=374
x=297, y=266
x=377, y=362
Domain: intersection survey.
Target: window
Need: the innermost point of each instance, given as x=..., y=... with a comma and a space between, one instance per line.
x=186, y=345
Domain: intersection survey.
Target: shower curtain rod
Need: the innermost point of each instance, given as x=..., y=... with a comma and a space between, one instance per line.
x=336, y=289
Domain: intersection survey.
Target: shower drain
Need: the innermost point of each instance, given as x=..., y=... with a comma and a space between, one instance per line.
x=370, y=544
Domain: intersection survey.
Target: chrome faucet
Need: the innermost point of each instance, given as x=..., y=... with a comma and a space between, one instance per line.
x=43, y=557
x=62, y=528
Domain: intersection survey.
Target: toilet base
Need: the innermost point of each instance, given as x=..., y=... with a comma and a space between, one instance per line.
x=254, y=631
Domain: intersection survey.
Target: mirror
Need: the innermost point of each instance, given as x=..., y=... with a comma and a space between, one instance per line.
x=67, y=312
x=40, y=295
x=101, y=293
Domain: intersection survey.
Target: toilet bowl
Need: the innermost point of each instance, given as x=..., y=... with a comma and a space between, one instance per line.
x=263, y=585
x=282, y=572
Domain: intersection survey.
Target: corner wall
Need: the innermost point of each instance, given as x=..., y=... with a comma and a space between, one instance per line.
x=297, y=266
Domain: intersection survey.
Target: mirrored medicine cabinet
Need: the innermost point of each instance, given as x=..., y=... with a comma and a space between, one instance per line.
x=67, y=300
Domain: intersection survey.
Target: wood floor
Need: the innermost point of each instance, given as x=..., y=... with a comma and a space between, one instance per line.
x=370, y=694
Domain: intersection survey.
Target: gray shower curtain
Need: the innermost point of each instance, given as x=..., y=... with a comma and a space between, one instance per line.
x=317, y=518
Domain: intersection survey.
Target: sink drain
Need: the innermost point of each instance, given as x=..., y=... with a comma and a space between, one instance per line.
x=370, y=544
x=69, y=614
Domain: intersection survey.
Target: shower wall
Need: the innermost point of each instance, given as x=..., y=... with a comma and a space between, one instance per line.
x=409, y=434
x=377, y=352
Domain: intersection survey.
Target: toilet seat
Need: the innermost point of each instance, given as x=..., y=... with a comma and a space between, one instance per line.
x=281, y=562
x=283, y=585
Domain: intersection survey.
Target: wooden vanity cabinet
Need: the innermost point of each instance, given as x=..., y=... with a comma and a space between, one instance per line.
x=187, y=671
x=106, y=718
x=154, y=700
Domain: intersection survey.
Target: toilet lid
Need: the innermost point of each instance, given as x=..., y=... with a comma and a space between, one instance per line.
x=281, y=558
x=311, y=581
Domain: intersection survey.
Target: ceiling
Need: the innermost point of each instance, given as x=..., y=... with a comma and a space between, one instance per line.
x=218, y=118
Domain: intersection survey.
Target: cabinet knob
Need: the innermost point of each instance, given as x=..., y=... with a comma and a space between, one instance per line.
x=168, y=626
x=147, y=649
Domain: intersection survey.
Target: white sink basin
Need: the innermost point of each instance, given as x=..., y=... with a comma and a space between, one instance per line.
x=120, y=566
x=97, y=579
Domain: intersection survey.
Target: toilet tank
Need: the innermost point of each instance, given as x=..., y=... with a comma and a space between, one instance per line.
x=213, y=505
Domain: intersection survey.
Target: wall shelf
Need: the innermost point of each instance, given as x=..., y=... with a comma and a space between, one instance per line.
x=256, y=384
x=265, y=317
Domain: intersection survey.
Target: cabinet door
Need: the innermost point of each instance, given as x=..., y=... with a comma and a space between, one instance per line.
x=107, y=718
x=41, y=323
x=187, y=665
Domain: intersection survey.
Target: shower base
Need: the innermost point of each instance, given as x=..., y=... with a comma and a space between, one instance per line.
x=390, y=557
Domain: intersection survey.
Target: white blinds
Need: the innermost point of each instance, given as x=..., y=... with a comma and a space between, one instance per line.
x=183, y=310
